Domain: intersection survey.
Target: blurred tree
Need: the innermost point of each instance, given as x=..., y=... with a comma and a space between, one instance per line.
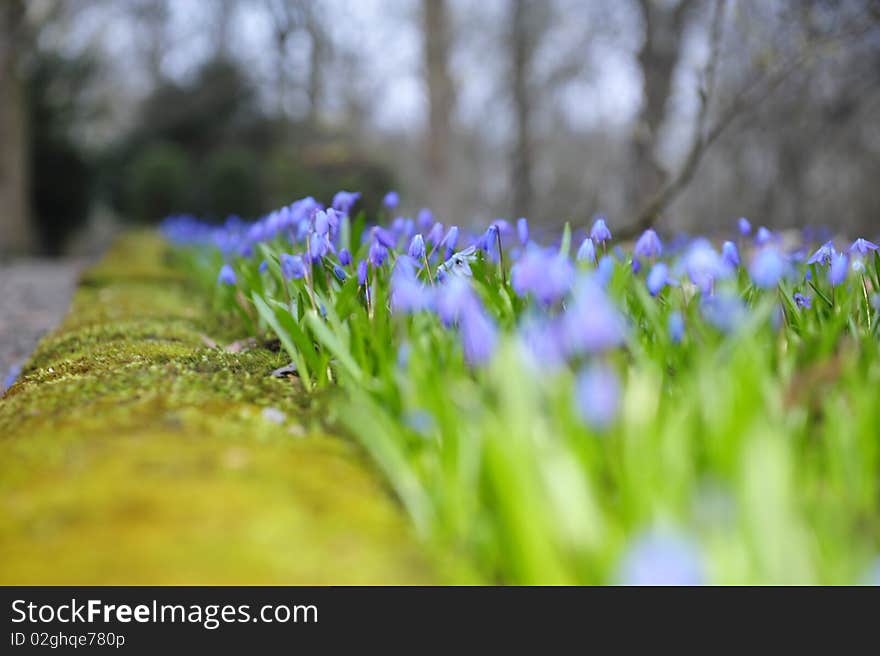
x=231, y=184
x=524, y=33
x=441, y=100
x=660, y=52
x=158, y=182
x=15, y=234
x=61, y=169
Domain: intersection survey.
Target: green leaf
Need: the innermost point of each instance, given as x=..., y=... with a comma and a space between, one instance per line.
x=284, y=330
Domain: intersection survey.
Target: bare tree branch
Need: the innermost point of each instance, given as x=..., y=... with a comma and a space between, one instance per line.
x=758, y=90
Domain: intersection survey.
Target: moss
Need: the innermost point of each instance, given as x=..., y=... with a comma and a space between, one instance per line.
x=130, y=452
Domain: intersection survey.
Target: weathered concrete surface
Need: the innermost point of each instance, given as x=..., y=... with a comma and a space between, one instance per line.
x=131, y=453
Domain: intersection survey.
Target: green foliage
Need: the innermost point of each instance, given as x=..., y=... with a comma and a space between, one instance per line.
x=61, y=170
x=761, y=444
x=158, y=182
x=231, y=184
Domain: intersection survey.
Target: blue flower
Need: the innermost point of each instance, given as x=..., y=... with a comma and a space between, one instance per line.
x=391, y=200
x=704, y=266
x=489, y=239
x=823, y=254
x=407, y=293
x=226, y=276
x=402, y=226
x=452, y=297
x=544, y=274
x=522, y=230
x=449, y=241
x=264, y=266
x=587, y=251
x=339, y=272
x=730, y=254
x=344, y=257
x=417, y=247
x=435, y=236
x=541, y=343
x=675, y=325
x=767, y=268
x=763, y=236
x=600, y=233
x=657, y=278
x=724, y=311
x=322, y=223
x=344, y=200
x=745, y=228
x=605, y=270
x=424, y=219
x=662, y=559
x=591, y=323
x=377, y=254
x=597, y=396
x=648, y=245
x=803, y=302
x=479, y=335
x=362, y=273
x=11, y=376
x=292, y=266
x=862, y=247
x=384, y=237
x=839, y=269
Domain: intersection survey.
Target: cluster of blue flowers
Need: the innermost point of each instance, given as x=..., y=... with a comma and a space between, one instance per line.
x=571, y=319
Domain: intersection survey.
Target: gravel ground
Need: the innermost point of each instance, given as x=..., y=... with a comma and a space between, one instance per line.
x=34, y=296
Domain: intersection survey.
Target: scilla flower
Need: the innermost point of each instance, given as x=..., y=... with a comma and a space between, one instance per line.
x=839, y=268
x=435, y=235
x=730, y=254
x=823, y=254
x=600, y=233
x=661, y=559
x=478, y=334
x=391, y=200
x=803, y=302
x=862, y=247
x=292, y=266
x=675, y=325
x=657, y=278
x=648, y=245
x=767, y=268
x=344, y=257
x=597, y=396
x=544, y=274
x=745, y=228
x=587, y=251
x=424, y=219
x=417, y=247
x=344, y=200
x=763, y=236
x=362, y=272
x=226, y=276
x=591, y=323
x=522, y=230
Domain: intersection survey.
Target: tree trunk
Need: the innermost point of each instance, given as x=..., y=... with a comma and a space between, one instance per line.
x=441, y=101
x=657, y=57
x=15, y=229
x=521, y=60
x=317, y=57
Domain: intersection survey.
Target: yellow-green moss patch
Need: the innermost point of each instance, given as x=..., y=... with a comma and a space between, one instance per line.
x=130, y=452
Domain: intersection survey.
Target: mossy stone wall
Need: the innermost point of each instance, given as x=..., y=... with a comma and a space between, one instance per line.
x=132, y=453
